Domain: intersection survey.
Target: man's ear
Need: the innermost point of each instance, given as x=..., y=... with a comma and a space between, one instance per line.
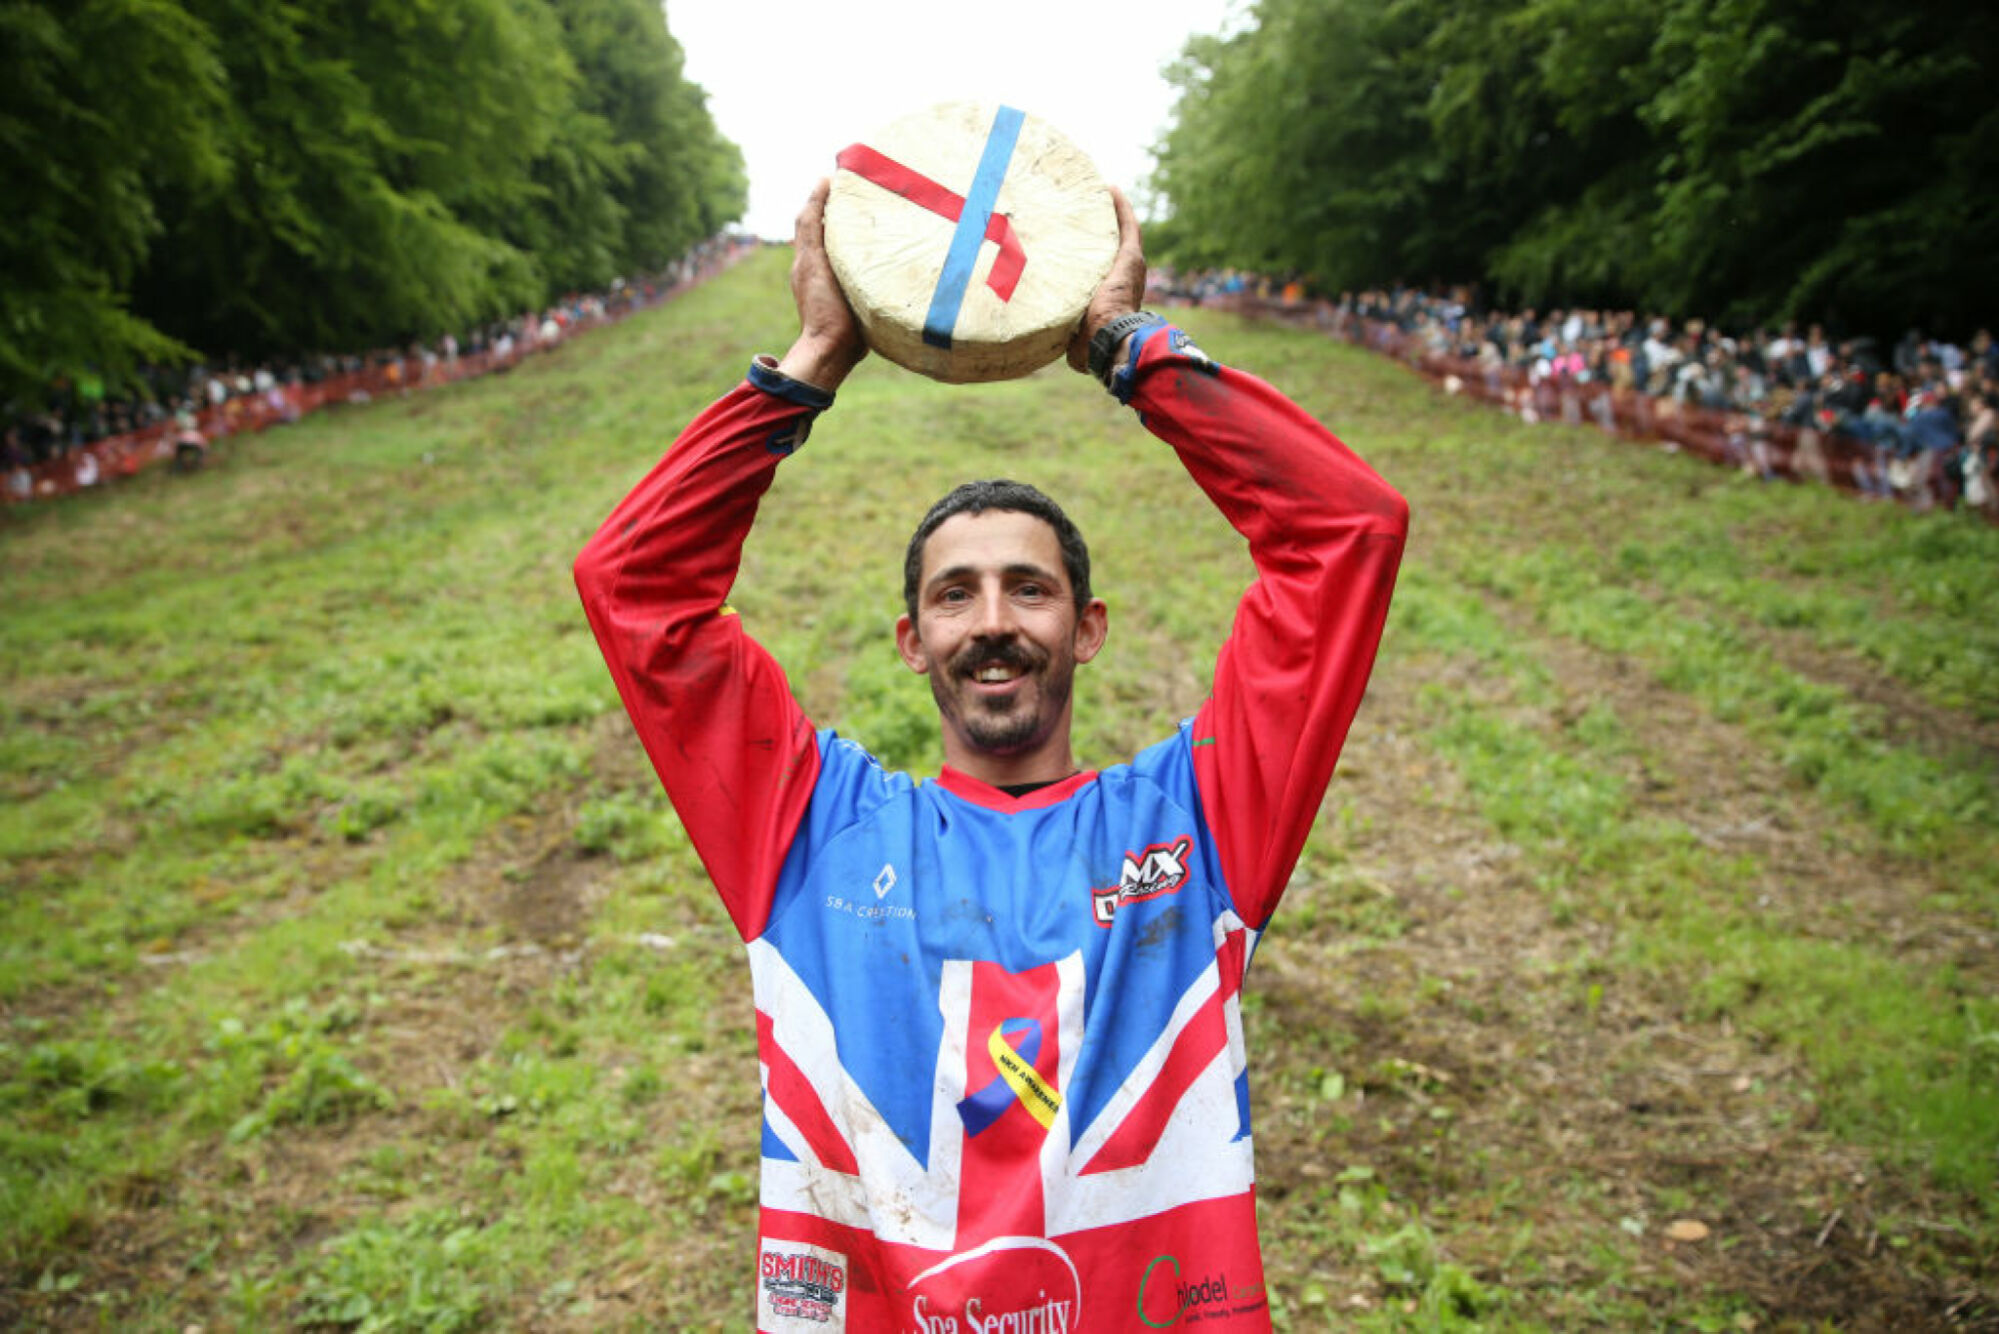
x=910, y=646
x=1092, y=627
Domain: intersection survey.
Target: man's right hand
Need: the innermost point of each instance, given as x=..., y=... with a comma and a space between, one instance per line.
x=829, y=343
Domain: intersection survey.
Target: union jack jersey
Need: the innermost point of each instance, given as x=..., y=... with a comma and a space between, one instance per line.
x=1004, y=1082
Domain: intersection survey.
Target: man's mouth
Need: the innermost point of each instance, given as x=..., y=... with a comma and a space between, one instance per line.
x=996, y=666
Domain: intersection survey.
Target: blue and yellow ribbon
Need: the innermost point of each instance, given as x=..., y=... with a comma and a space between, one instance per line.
x=1017, y=1079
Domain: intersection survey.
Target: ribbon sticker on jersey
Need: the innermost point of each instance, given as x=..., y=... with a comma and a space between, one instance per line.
x=1017, y=1079
x=1160, y=869
x=800, y=1289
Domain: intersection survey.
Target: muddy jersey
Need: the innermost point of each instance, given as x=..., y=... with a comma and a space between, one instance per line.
x=1004, y=1080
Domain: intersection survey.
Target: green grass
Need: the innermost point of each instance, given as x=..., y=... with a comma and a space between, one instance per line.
x=354, y=970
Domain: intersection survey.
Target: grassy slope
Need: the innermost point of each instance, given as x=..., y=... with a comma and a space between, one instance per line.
x=354, y=969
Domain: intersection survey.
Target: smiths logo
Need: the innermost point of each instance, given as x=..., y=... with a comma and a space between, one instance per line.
x=801, y=1289
x=1160, y=869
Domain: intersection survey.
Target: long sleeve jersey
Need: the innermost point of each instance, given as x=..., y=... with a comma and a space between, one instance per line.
x=1004, y=1080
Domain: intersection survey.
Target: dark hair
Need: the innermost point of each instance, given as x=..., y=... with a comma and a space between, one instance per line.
x=1013, y=497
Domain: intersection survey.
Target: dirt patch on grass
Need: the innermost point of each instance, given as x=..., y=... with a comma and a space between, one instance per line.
x=440, y=1001
x=1818, y=872
x=1907, y=718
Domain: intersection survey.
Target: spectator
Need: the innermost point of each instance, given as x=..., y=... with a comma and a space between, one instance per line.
x=160, y=413
x=1780, y=404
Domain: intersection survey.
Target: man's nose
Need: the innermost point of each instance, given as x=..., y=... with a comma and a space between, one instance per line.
x=994, y=618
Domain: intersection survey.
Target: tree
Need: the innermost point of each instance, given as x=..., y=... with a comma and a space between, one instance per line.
x=372, y=146
x=1745, y=159
x=678, y=180
x=101, y=105
x=261, y=176
x=1296, y=143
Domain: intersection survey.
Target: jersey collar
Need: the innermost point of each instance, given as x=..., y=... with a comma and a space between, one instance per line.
x=981, y=793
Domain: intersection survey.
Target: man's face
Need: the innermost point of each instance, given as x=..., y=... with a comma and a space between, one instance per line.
x=998, y=633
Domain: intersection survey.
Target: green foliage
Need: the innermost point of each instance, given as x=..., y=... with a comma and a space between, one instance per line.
x=103, y=106
x=419, y=1273
x=677, y=180
x=317, y=1081
x=630, y=826
x=75, y=1080
x=237, y=176
x=1296, y=144
x=1741, y=159
x=890, y=710
x=323, y=1086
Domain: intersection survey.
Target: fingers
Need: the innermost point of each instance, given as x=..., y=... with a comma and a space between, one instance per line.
x=1130, y=246
x=829, y=339
x=1122, y=289
x=810, y=229
x=813, y=285
x=1123, y=286
x=808, y=235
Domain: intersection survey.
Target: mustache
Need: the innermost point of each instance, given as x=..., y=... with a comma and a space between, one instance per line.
x=1001, y=652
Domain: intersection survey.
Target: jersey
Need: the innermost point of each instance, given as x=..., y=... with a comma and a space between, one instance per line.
x=1004, y=1078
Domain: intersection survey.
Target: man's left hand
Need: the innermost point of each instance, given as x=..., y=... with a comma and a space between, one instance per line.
x=1122, y=289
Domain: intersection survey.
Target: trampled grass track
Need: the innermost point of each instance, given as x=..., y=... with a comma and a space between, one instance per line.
x=354, y=971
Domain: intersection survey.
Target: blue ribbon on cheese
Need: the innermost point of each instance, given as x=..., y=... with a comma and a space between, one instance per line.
x=963, y=256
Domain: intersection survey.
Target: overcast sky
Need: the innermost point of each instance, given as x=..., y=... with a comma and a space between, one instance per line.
x=795, y=81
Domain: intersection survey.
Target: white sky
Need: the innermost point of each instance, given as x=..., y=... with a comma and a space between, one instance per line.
x=795, y=81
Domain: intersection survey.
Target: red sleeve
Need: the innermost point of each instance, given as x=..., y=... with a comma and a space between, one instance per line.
x=1326, y=535
x=712, y=708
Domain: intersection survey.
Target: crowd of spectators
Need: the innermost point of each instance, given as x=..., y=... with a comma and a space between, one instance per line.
x=85, y=430
x=1918, y=420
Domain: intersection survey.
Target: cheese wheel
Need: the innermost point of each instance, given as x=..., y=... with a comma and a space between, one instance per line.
x=969, y=238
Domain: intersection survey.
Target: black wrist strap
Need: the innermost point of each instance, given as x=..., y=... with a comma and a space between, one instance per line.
x=1104, y=343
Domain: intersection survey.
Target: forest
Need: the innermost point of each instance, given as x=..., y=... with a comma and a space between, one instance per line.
x=188, y=177
x=1741, y=160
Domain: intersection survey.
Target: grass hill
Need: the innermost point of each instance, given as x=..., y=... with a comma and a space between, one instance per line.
x=354, y=972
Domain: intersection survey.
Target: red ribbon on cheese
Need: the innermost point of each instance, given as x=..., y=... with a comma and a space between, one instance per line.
x=919, y=189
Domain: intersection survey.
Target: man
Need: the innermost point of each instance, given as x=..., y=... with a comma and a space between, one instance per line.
x=1003, y=1068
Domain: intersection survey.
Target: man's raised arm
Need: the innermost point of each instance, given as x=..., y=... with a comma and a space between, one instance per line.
x=1326, y=534
x=712, y=708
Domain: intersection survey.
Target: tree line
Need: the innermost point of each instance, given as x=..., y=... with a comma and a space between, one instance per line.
x=188, y=177
x=1744, y=160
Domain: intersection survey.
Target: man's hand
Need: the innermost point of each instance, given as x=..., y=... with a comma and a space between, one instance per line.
x=829, y=337
x=1122, y=289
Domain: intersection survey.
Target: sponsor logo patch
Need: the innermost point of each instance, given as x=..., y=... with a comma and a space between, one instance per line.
x=1160, y=869
x=1168, y=1298
x=801, y=1289
x=1010, y=1285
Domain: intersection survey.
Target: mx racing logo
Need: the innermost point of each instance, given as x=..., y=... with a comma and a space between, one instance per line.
x=1160, y=869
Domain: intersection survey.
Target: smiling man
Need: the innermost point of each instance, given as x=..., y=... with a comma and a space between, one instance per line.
x=998, y=619
x=1004, y=1080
